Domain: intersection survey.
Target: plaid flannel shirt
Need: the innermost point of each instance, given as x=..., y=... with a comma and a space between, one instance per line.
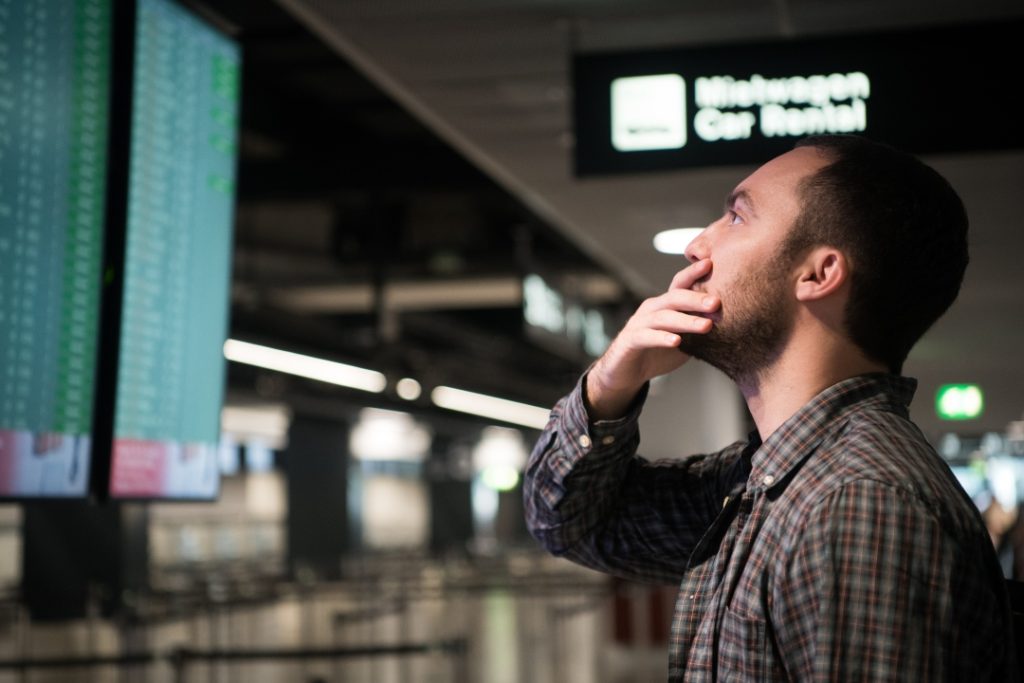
x=841, y=548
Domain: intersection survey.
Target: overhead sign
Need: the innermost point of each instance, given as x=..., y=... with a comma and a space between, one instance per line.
x=923, y=91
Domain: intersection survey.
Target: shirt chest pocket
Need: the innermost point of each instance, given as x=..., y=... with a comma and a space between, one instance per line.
x=744, y=651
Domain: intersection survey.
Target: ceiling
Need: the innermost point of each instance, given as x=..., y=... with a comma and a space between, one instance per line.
x=363, y=237
x=476, y=156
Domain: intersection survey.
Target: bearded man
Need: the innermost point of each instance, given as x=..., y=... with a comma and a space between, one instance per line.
x=834, y=544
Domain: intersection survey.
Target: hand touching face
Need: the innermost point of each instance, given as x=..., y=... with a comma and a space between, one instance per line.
x=648, y=344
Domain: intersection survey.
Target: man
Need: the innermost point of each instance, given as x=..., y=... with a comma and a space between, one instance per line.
x=834, y=544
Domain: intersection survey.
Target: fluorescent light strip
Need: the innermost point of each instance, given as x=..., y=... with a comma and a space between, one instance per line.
x=490, y=406
x=304, y=366
x=675, y=241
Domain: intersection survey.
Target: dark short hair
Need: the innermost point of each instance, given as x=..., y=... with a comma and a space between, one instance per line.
x=902, y=227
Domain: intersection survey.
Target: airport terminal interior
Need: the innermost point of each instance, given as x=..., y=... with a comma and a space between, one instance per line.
x=288, y=289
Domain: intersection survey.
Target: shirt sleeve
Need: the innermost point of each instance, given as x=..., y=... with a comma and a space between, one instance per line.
x=876, y=590
x=589, y=498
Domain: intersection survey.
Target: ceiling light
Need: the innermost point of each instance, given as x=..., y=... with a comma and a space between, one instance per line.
x=490, y=406
x=290, y=363
x=676, y=240
x=408, y=388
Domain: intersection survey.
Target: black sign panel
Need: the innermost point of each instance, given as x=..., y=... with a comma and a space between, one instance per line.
x=926, y=91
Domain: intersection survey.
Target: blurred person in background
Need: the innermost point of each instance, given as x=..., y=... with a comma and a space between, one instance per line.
x=833, y=544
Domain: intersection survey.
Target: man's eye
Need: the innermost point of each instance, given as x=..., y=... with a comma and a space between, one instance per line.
x=734, y=218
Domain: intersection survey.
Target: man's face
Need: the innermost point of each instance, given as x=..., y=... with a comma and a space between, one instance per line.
x=751, y=273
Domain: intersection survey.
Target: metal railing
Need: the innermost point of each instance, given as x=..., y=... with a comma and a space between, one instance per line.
x=182, y=659
x=414, y=620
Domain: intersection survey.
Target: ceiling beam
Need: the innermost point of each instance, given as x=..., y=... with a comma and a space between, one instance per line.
x=428, y=295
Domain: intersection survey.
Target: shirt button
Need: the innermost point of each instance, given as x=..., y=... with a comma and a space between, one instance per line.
x=768, y=480
x=608, y=440
x=585, y=441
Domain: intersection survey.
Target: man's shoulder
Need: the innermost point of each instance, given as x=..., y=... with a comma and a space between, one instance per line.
x=886, y=445
x=878, y=449
x=883, y=443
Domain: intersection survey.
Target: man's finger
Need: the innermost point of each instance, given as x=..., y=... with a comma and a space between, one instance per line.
x=686, y=278
x=674, y=321
x=689, y=300
x=655, y=339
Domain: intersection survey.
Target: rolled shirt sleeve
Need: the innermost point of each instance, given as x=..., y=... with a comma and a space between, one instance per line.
x=590, y=498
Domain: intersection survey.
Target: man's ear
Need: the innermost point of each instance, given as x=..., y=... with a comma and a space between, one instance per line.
x=821, y=273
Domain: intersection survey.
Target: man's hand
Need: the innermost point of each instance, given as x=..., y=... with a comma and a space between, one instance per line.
x=647, y=345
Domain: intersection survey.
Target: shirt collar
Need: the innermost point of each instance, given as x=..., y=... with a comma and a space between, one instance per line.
x=798, y=437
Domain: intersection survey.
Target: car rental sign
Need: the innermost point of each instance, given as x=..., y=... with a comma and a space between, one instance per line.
x=740, y=104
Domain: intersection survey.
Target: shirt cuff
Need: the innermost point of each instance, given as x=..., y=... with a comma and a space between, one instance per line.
x=600, y=432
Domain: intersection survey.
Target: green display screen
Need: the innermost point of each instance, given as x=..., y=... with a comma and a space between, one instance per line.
x=177, y=256
x=54, y=90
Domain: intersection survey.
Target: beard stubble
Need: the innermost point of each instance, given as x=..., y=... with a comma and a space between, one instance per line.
x=756, y=320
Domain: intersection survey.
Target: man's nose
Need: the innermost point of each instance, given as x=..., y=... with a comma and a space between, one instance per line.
x=698, y=249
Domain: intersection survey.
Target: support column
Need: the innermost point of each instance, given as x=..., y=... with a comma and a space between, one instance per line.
x=316, y=466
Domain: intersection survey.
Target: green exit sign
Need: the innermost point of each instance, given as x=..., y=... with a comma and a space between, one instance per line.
x=959, y=401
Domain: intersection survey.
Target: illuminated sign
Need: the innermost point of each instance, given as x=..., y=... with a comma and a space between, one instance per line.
x=922, y=91
x=648, y=112
x=795, y=106
x=959, y=401
x=551, y=316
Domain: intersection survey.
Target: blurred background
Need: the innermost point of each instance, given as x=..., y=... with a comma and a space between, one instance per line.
x=417, y=268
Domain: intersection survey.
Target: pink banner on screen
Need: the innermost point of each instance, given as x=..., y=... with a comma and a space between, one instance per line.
x=8, y=462
x=139, y=468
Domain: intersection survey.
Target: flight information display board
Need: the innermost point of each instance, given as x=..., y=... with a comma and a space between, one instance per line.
x=177, y=267
x=54, y=88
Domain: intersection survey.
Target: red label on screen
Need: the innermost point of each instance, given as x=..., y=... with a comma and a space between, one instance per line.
x=138, y=468
x=8, y=461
